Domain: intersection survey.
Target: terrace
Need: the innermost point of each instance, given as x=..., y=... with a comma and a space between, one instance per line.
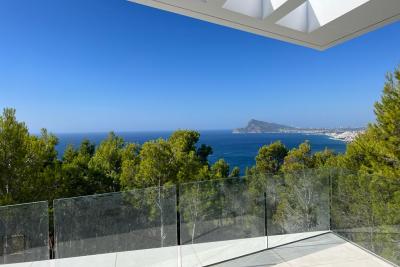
x=306, y=218
x=301, y=219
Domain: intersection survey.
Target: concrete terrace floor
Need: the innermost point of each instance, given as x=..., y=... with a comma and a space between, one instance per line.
x=322, y=251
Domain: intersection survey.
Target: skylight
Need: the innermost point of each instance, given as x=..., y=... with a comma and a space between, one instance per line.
x=314, y=14
x=254, y=8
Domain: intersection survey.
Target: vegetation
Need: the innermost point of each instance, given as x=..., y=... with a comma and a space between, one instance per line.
x=369, y=197
x=295, y=183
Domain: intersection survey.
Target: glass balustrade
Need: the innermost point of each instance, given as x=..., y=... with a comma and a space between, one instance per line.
x=124, y=221
x=218, y=214
x=365, y=218
x=211, y=221
x=24, y=233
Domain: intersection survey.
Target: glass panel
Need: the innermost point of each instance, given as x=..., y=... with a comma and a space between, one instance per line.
x=124, y=221
x=365, y=211
x=298, y=206
x=218, y=214
x=24, y=233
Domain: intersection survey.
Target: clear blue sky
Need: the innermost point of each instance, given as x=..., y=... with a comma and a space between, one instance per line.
x=100, y=65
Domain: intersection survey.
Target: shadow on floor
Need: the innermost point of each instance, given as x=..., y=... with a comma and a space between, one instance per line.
x=314, y=250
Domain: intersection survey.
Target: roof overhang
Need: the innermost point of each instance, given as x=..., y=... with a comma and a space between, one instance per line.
x=318, y=24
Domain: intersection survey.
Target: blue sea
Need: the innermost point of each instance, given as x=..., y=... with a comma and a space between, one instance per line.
x=237, y=149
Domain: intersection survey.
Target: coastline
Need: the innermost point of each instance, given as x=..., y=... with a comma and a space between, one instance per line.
x=347, y=136
x=339, y=135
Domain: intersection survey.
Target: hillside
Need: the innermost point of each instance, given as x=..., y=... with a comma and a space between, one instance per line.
x=256, y=126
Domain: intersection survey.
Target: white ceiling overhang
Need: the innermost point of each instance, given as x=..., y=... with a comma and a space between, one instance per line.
x=318, y=24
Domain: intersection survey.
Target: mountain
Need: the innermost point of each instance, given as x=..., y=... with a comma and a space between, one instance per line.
x=256, y=126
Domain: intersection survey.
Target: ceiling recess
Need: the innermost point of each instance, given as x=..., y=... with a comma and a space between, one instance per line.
x=318, y=24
